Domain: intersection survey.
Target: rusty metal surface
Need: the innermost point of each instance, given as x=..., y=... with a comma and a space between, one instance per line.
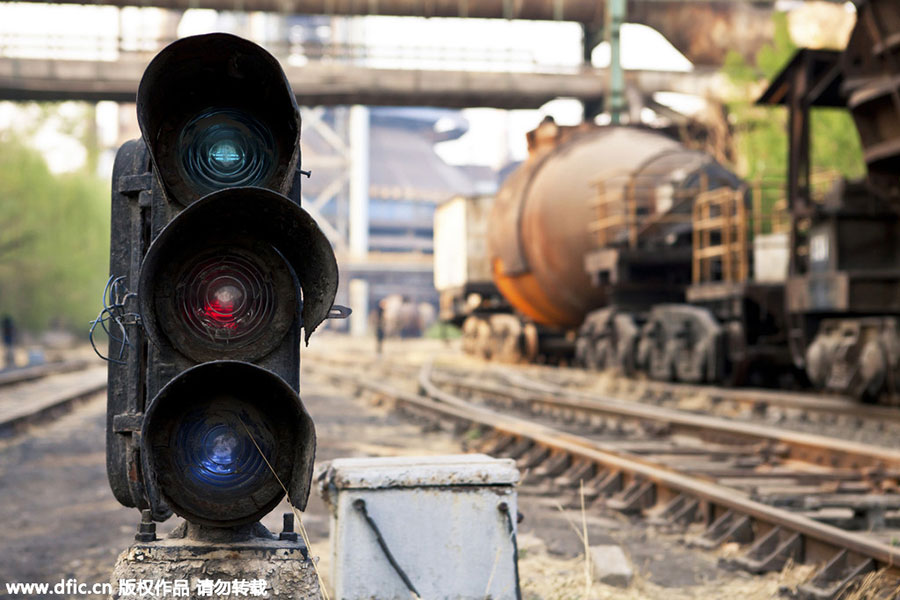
x=706, y=31
x=547, y=212
x=540, y=229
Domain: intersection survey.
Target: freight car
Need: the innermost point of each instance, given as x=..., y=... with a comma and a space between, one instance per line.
x=616, y=247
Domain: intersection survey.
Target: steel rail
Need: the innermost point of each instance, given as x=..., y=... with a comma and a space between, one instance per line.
x=16, y=412
x=821, y=541
x=816, y=449
x=752, y=397
x=30, y=373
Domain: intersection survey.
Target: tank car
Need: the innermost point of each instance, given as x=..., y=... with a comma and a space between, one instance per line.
x=597, y=218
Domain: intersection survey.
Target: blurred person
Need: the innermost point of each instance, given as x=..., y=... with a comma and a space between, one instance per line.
x=9, y=339
x=379, y=327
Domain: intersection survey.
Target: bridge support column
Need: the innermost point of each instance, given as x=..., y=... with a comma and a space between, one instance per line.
x=359, y=302
x=359, y=182
x=592, y=35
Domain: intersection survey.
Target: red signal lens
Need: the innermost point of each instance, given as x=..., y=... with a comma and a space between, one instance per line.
x=226, y=299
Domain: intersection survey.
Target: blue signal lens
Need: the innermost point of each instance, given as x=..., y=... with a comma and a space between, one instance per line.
x=225, y=155
x=216, y=452
x=223, y=148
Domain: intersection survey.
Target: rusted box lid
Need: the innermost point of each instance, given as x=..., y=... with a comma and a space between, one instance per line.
x=418, y=471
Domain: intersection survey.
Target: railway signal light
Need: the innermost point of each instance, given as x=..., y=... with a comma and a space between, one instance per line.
x=204, y=414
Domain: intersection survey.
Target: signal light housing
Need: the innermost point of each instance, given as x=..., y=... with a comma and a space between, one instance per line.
x=264, y=231
x=206, y=433
x=217, y=111
x=224, y=270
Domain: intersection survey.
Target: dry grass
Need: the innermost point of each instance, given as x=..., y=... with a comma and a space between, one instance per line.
x=297, y=516
x=875, y=585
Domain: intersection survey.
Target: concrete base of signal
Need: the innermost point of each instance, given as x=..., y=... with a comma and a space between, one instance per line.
x=259, y=567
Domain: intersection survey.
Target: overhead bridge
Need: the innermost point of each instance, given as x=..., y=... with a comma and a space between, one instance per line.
x=324, y=83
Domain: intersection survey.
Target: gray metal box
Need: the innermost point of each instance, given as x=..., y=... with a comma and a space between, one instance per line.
x=440, y=518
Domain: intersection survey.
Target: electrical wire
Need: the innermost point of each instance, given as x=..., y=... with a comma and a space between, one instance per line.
x=115, y=296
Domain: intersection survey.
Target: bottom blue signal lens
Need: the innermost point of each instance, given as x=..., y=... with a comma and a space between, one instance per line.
x=215, y=450
x=221, y=448
x=223, y=441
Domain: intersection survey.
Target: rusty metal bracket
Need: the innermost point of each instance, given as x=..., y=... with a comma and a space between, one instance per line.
x=554, y=465
x=680, y=510
x=729, y=526
x=829, y=582
x=771, y=551
x=533, y=458
x=635, y=498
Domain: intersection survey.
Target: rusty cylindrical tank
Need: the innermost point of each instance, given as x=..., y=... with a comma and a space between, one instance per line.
x=540, y=226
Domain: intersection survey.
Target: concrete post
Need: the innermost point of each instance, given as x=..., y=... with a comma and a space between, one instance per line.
x=359, y=182
x=616, y=96
x=359, y=302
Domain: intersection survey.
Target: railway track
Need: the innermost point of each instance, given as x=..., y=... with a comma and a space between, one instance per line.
x=21, y=375
x=834, y=416
x=36, y=394
x=783, y=496
x=841, y=416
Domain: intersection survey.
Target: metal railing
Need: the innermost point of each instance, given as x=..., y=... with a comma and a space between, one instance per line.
x=720, y=236
x=628, y=204
x=437, y=57
x=725, y=226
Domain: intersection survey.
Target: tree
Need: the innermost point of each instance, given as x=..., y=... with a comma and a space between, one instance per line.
x=54, y=240
x=761, y=132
